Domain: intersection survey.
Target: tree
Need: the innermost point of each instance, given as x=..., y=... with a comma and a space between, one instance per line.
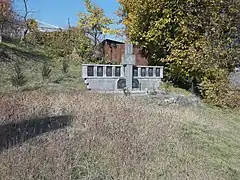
x=61, y=43
x=18, y=78
x=95, y=23
x=6, y=12
x=46, y=70
x=32, y=25
x=190, y=38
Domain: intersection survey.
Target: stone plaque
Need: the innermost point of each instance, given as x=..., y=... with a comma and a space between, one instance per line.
x=150, y=71
x=90, y=70
x=100, y=71
x=129, y=59
x=109, y=71
x=143, y=71
x=135, y=83
x=158, y=72
x=121, y=84
x=128, y=49
x=135, y=71
x=117, y=71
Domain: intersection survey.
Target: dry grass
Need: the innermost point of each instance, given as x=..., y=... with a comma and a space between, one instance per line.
x=119, y=138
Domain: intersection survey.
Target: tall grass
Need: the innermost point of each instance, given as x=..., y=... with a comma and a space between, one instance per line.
x=115, y=137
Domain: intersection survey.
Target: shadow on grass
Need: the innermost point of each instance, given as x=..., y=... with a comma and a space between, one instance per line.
x=31, y=54
x=13, y=134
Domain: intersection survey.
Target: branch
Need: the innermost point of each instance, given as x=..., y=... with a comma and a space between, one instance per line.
x=26, y=10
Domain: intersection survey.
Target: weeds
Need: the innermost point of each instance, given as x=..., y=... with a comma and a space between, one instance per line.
x=119, y=138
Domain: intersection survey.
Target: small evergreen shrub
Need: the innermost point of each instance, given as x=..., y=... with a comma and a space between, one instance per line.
x=18, y=79
x=46, y=70
x=65, y=66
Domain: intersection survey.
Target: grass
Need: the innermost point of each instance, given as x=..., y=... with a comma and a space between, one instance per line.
x=169, y=88
x=31, y=61
x=56, y=130
x=119, y=138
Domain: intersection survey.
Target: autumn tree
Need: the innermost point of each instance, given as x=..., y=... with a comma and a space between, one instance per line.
x=193, y=39
x=32, y=25
x=6, y=12
x=95, y=23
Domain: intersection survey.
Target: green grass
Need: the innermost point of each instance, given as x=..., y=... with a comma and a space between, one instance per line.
x=31, y=61
x=168, y=87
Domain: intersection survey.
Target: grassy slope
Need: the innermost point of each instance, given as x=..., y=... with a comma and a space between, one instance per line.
x=31, y=60
x=109, y=138
x=120, y=138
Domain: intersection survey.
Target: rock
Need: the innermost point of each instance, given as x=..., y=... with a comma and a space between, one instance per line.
x=180, y=100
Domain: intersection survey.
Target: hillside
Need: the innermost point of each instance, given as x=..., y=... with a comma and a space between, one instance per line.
x=96, y=136
x=56, y=130
x=31, y=60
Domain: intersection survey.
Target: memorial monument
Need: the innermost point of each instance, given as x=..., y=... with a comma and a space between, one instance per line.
x=105, y=77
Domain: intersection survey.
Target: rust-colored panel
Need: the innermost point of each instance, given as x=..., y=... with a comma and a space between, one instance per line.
x=119, y=50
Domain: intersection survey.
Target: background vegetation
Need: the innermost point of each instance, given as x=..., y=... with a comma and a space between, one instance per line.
x=196, y=41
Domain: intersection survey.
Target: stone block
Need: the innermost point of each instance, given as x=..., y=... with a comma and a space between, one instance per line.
x=116, y=77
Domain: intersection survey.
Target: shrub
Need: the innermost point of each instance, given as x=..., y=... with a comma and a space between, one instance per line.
x=218, y=91
x=46, y=70
x=65, y=65
x=18, y=78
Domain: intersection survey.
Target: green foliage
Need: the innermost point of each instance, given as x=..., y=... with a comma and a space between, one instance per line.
x=65, y=65
x=83, y=40
x=170, y=88
x=18, y=79
x=63, y=42
x=46, y=70
x=217, y=90
x=32, y=25
x=190, y=38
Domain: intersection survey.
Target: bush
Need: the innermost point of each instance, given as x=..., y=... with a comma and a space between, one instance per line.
x=218, y=91
x=46, y=70
x=65, y=65
x=18, y=78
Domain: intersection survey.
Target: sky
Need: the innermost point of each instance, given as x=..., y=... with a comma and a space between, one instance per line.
x=57, y=12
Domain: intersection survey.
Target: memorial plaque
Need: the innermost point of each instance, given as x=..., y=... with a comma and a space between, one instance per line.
x=117, y=71
x=135, y=71
x=121, y=84
x=150, y=71
x=143, y=71
x=90, y=70
x=128, y=49
x=135, y=83
x=100, y=71
x=158, y=74
x=128, y=74
x=109, y=71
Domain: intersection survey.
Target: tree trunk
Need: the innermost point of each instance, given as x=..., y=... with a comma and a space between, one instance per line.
x=193, y=86
x=23, y=36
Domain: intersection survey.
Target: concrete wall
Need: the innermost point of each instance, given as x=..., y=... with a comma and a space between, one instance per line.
x=106, y=77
